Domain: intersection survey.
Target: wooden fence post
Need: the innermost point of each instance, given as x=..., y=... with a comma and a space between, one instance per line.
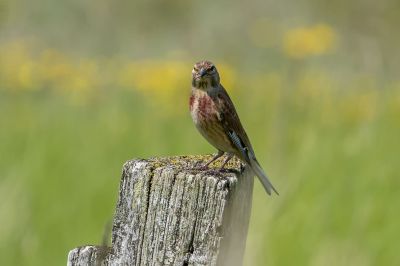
x=168, y=213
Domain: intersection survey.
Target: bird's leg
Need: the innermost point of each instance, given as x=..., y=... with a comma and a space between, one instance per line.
x=219, y=154
x=226, y=161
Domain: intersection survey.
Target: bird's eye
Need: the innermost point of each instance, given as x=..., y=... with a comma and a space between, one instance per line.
x=195, y=69
x=212, y=68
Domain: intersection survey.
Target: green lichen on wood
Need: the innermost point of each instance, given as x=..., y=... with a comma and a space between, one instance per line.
x=194, y=163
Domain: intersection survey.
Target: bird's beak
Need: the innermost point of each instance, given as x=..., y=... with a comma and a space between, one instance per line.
x=202, y=72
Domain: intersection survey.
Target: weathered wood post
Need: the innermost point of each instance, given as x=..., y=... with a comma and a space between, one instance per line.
x=170, y=214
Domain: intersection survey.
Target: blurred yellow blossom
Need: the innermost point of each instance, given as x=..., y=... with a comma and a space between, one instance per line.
x=308, y=41
x=227, y=74
x=54, y=68
x=155, y=78
x=17, y=67
x=359, y=106
x=78, y=79
x=84, y=82
x=165, y=82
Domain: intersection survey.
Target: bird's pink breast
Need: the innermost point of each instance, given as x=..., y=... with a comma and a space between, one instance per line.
x=206, y=118
x=205, y=105
x=201, y=106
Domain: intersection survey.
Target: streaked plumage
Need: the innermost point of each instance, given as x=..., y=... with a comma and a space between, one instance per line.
x=216, y=119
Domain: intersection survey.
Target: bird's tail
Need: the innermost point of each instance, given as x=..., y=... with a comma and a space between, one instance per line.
x=259, y=172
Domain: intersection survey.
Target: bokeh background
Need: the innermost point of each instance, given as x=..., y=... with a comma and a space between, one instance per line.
x=87, y=85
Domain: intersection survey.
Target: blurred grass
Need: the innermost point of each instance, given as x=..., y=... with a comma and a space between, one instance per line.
x=320, y=102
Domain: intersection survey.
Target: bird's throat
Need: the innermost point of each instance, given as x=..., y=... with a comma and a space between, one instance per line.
x=205, y=84
x=201, y=84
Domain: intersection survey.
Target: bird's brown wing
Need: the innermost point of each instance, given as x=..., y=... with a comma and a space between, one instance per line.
x=234, y=129
x=232, y=125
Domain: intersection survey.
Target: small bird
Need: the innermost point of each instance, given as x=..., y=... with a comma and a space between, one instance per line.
x=215, y=117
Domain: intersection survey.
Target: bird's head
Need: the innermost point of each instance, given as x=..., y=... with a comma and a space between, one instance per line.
x=205, y=75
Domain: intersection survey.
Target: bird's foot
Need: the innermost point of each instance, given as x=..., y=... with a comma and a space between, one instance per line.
x=228, y=158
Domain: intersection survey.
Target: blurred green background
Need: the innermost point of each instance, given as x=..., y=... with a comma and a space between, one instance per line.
x=87, y=85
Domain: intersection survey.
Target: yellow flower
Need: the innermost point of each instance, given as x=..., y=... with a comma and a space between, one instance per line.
x=17, y=67
x=302, y=42
x=162, y=82
x=153, y=77
x=165, y=83
x=54, y=67
x=78, y=80
x=360, y=106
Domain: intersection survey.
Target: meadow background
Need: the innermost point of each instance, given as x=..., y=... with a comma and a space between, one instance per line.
x=87, y=85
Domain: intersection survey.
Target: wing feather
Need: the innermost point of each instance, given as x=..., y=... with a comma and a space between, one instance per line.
x=234, y=130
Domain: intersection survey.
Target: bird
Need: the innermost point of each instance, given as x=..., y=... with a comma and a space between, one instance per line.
x=215, y=117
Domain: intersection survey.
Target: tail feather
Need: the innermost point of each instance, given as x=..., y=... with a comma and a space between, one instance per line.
x=259, y=172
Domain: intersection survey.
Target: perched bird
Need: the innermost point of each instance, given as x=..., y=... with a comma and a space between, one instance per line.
x=215, y=117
